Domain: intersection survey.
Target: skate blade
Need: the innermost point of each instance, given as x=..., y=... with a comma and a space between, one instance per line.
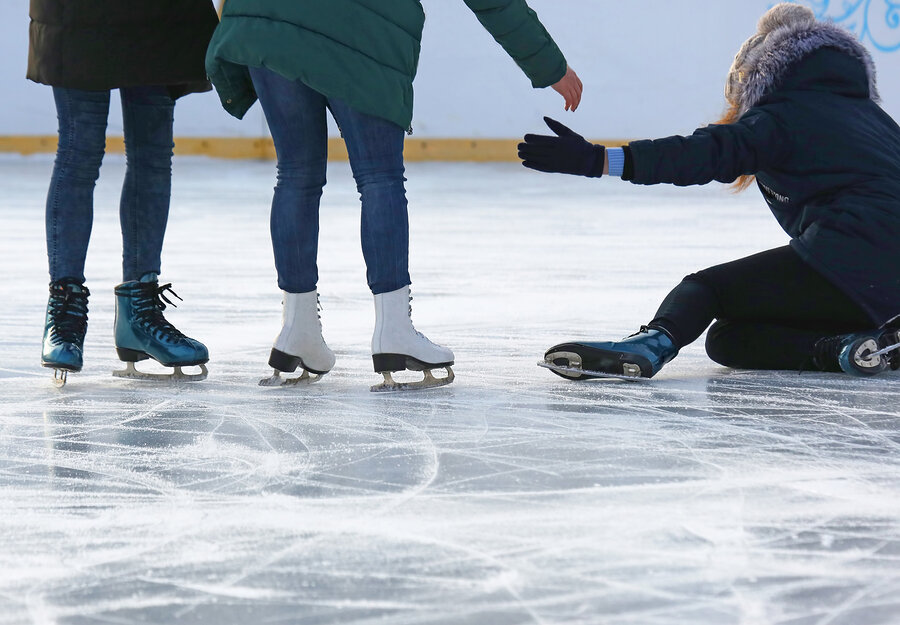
x=885, y=350
x=304, y=379
x=577, y=373
x=59, y=377
x=391, y=386
x=177, y=375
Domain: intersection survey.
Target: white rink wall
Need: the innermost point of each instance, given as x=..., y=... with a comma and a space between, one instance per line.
x=650, y=68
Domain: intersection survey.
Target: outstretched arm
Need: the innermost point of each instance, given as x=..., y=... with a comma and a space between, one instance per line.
x=720, y=152
x=717, y=152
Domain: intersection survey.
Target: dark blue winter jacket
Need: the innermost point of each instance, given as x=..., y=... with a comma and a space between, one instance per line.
x=827, y=160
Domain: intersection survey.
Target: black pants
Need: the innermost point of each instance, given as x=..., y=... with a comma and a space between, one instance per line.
x=770, y=309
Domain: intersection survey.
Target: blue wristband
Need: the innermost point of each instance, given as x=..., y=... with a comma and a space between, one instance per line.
x=616, y=158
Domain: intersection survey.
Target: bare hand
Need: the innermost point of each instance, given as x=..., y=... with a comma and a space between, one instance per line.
x=570, y=88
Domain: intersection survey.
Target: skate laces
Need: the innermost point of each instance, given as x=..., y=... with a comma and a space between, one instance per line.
x=148, y=305
x=68, y=312
x=422, y=336
x=827, y=351
x=643, y=330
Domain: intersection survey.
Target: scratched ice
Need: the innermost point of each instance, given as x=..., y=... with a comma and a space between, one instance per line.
x=706, y=496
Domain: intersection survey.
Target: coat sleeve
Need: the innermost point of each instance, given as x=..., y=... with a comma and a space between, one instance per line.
x=721, y=152
x=517, y=29
x=231, y=80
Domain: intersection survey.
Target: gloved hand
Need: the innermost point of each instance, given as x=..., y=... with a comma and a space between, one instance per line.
x=567, y=153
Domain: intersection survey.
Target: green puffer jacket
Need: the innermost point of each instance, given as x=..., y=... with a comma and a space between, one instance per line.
x=364, y=52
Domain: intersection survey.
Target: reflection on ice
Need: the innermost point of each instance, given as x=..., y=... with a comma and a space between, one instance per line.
x=512, y=496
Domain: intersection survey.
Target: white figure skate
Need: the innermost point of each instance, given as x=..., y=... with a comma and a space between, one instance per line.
x=300, y=343
x=397, y=346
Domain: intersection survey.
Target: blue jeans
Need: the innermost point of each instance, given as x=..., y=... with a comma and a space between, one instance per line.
x=148, y=114
x=296, y=117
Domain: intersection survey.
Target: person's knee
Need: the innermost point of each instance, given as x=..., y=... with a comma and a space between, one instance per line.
x=307, y=175
x=724, y=343
x=379, y=177
x=82, y=162
x=150, y=162
x=81, y=149
x=701, y=278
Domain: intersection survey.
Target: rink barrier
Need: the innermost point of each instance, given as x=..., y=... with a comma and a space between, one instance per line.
x=415, y=149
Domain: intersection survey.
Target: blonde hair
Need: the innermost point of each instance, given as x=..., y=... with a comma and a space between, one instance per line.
x=731, y=115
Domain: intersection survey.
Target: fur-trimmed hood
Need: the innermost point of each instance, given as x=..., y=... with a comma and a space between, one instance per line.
x=788, y=34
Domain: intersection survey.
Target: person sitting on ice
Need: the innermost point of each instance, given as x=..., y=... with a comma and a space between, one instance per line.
x=804, y=120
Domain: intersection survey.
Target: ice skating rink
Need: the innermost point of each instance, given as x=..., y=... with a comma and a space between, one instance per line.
x=705, y=496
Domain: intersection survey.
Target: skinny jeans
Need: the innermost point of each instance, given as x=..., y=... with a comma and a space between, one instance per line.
x=296, y=117
x=148, y=114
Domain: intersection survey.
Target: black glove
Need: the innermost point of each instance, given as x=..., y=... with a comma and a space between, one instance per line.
x=566, y=153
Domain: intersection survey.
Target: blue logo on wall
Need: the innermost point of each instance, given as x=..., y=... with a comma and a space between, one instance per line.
x=876, y=22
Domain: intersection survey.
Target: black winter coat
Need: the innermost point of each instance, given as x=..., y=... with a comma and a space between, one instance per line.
x=827, y=160
x=106, y=44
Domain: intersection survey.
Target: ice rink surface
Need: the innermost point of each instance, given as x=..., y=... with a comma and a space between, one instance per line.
x=705, y=496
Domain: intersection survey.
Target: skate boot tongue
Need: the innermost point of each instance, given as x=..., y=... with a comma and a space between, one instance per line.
x=68, y=310
x=68, y=286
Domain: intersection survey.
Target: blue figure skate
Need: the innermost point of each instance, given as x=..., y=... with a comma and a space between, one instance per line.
x=638, y=356
x=141, y=332
x=64, y=328
x=860, y=354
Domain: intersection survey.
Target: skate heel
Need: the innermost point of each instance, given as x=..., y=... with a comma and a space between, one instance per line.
x=61, y=367
x=283, y=362
x=130, y=355
x=389, y=362
x=386, y=364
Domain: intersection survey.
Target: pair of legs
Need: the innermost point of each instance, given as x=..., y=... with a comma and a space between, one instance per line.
x=770, y=309
x=144, y=206
x=296, y=115
x=141, y=331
